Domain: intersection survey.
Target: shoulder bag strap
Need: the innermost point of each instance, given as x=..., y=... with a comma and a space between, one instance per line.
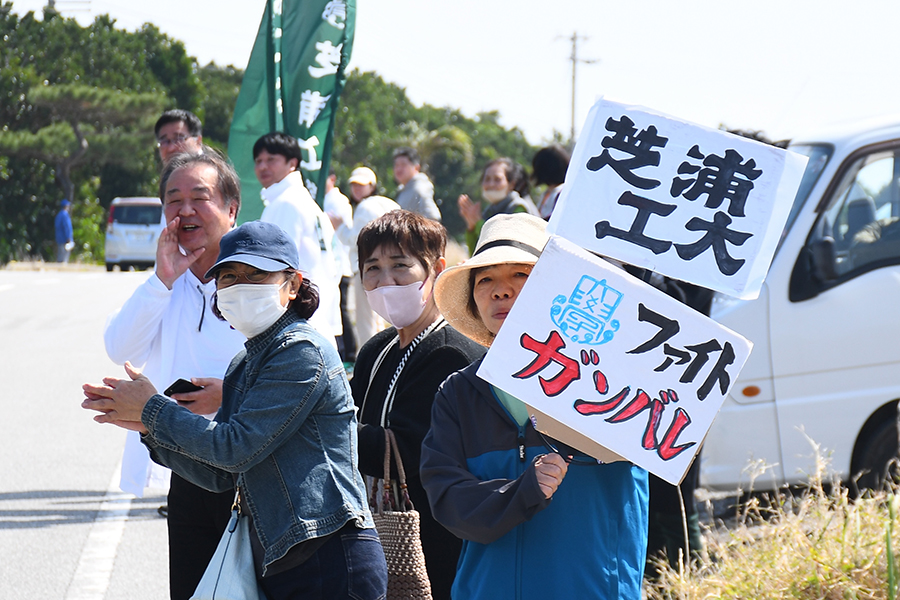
x=392, y=388
x=375, y=366
x=390, y=442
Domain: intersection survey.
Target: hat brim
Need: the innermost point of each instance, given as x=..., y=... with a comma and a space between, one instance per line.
x=452, y=290
x=260, y=262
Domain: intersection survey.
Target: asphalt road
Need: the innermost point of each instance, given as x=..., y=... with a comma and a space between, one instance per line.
x=65, y=530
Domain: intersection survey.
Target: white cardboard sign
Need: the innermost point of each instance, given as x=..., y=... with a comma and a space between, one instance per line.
x=611, y=365
x=680, y=199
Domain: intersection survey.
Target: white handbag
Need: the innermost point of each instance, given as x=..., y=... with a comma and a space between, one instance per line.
x=231, y=574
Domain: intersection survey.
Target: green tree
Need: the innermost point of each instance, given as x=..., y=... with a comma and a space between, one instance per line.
x=376, y=117
x=370, y=115
x=42, y=55
x=221, y=86
x=107, y=126
x=44, y=62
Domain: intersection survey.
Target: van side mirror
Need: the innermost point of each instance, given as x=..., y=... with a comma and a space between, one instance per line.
x=823, y=257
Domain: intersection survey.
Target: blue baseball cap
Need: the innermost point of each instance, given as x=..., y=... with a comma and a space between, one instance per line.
x=64, y=202
x=262, y=245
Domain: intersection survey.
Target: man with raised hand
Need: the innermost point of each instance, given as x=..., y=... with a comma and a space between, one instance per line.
x=169, y=326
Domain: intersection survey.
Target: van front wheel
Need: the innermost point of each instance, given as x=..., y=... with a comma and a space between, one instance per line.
x=879, y=460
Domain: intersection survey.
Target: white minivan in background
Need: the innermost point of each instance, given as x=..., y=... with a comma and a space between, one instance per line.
x=132, y=232
x=825, y=365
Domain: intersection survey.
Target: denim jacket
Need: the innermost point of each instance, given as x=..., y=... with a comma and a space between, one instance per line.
x=286, y=433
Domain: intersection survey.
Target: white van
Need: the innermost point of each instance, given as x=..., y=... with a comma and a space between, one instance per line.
x=132, y=232
x=825, y=365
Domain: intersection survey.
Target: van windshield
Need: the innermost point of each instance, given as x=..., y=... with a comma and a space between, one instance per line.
x=137, y=214
x=818, y=154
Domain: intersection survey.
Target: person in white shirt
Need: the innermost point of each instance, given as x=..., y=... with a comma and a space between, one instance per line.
x=337, y=207
x=369, y=207
x=276, y=157
x=168, y=326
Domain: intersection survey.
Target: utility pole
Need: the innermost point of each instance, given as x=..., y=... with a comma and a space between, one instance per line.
x=575, y=60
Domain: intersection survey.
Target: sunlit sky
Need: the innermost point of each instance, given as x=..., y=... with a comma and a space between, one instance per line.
x=781, y=66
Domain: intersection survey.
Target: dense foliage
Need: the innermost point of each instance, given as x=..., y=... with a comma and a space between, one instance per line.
x=376, y=117
x=77, y=106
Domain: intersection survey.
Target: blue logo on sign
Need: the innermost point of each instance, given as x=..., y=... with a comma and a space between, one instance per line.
x=585, y=316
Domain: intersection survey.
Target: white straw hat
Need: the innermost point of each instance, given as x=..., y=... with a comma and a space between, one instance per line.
x=517, y=238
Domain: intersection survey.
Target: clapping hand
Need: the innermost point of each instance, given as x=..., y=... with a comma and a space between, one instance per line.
x=120, y=401
x=469, y=211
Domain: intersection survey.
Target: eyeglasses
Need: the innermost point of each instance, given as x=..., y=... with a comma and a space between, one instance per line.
x=229, y=277
x=163, y=141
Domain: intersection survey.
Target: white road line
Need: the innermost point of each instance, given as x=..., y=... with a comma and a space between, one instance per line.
x=95, y=566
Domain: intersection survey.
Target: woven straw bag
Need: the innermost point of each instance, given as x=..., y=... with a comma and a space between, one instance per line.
x=397, y=523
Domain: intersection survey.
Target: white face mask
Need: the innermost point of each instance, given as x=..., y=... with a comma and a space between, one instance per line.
x=251, y=308
x=493, y=196
x=399, y=305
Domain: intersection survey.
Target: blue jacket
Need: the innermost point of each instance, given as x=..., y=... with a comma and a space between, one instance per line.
x=286, y=431
x=63, y=226
x=588, y=541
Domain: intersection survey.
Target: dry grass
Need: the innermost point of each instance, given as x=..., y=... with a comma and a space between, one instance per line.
x=809, y=545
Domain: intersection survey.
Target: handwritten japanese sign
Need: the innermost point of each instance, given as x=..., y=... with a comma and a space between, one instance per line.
x=693, y=203
x=605, y=359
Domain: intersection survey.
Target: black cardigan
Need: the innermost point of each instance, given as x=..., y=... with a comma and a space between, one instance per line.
x=439, y=355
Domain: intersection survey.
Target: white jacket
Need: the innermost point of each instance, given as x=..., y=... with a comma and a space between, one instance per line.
x=289, y=205
x=170, y=334
x=368, y=210
x=338, y=205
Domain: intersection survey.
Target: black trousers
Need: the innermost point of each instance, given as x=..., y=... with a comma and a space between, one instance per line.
x=347, y=340
x=666, y=526
x=196, y=521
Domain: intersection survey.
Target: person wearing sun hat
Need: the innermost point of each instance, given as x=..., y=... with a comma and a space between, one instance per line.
x=534, y=524
x=286, y=435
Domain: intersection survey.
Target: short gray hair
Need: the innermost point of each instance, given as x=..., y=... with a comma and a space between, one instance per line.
x=229, y=184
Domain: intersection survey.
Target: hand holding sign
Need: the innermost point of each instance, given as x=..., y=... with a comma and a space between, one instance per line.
x=602, y=358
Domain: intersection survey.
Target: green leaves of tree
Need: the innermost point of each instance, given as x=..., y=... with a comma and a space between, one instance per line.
x=77, y=106
x=376, y=117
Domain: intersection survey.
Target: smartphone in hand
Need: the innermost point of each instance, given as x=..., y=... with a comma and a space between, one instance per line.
x=181, y=386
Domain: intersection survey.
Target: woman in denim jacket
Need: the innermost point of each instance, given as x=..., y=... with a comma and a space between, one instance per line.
x=285, y=435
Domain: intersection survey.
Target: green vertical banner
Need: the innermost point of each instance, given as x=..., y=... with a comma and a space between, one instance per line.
x=292, y=83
